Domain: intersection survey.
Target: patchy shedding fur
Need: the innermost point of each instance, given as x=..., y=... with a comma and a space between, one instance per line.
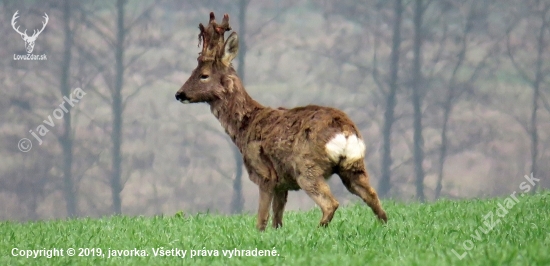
x=283, y=149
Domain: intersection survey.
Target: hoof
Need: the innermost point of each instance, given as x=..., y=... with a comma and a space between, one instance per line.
x=382, y=216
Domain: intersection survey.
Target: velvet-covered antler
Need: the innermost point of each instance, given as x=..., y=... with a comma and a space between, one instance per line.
x=212, y=38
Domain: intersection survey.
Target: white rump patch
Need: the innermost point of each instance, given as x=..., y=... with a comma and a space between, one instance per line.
x=350, y=148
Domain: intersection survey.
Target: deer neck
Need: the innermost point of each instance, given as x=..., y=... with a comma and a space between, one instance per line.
x=235, y=112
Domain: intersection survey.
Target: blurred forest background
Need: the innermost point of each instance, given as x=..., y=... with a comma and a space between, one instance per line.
x=451, y=98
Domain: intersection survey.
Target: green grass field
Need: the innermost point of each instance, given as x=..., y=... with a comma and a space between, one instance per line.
x=417, y=234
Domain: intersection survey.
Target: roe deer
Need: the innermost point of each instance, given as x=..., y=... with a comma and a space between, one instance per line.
x=283, y=149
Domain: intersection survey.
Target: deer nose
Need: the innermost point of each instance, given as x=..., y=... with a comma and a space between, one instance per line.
x=180, y=96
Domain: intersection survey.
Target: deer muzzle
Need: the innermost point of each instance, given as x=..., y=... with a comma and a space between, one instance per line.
x=180, y=96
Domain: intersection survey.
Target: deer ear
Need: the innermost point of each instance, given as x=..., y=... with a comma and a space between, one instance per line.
x=231, y=48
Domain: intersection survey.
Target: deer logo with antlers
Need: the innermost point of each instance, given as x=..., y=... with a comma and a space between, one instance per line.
x=29, y=40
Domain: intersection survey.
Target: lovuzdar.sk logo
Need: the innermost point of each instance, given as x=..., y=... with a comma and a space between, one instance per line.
x=29, y=40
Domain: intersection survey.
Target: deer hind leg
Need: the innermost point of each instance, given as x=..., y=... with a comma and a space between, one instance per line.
x=279, y=202
x=263, y=209
x=317, y=189
x=357, y=182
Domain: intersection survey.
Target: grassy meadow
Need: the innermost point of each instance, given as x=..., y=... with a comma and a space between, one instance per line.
x=497, y=231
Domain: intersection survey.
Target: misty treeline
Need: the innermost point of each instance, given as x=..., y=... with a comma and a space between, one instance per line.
x=451, y=98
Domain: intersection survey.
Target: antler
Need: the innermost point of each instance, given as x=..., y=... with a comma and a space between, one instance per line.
x=212, y=38
x=34, y=33
x=15, y=17
x=43, y=26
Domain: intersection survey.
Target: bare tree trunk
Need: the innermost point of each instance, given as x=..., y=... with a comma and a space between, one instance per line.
x=447, y=109
x=66, y=139
x=389, y=117
x=536, y=95
x=243, y=5
x=117, y=109
x=237, y=202
x=417, y=101
x=443, y=149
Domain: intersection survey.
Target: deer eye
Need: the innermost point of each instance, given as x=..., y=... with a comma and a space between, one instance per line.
x=204, y=77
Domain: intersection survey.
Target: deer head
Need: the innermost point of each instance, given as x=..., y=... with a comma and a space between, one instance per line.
x=211, y=78
x=29, y=40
